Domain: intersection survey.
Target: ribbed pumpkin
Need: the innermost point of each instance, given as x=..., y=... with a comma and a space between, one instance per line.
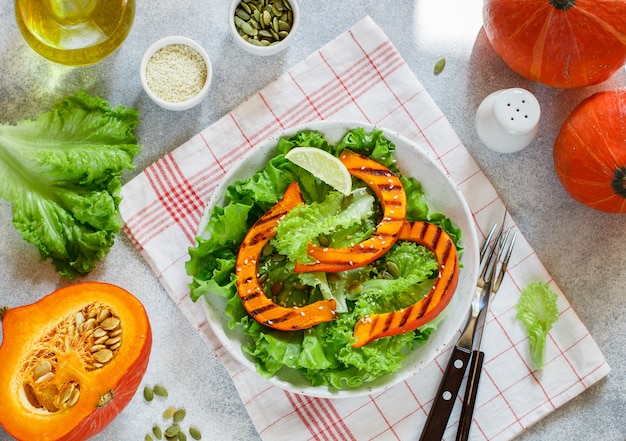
x=590, y=152
x=560, y=43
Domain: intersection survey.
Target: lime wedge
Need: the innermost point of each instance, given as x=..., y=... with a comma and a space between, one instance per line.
x=323, y=166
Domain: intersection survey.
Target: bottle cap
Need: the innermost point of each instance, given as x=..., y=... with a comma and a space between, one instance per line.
x=508, y=120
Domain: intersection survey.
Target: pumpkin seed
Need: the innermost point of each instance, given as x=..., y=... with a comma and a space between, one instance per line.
x=42, y=368
x=64, y=395
x=148, y=394
x=158, y=433
x=277, y=287
x=179, y=415
x=169, y=412
x=88, y=325
x=101, y=340
x=160, y=391
x=96, y=348
x=148, y=437
x=99, y=332
x=110, y=323
x=242, y=14
x=323, y=240
x=355, y=288
x=112, y=341
x=172, y=430
x=182, y=436
x=73, y=398
x=439, y=66
x=103, y=355
x=115, y=333
x=44, y=377
x=105, y=313
x=393, y=269
x=195, y=433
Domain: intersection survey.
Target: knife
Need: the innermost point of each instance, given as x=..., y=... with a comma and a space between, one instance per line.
x=478, y=356
x=457, y=365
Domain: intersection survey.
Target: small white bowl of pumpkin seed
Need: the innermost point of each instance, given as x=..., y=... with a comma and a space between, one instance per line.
x=263, y=27
x=176, y=73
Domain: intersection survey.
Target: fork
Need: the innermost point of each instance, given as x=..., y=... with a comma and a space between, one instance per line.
x=475, y=369
x=468, y=344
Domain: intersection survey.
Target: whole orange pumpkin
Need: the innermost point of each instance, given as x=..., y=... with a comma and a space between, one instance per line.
x=561, y=43
x=590, y=152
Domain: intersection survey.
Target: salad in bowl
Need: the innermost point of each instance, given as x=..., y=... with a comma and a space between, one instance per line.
x=335, y=290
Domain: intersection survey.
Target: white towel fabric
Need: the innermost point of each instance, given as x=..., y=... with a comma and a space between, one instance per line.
x=360, y=76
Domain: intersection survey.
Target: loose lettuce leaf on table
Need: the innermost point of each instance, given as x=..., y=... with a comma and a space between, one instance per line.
x=61, y=174
x=538, y=311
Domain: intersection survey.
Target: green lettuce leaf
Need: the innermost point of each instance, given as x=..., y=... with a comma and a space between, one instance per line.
x=61, y=174
x=537, y=310
x=307, y=222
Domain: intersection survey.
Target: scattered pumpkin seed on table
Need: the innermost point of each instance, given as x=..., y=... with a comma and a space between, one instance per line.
x=179, y=415
x=158, y=433
x=169, y=412
x=160, y=391
x=195, y=433
x=263, y=22
x=172, y=430
x=439, y=66
x=148, y=393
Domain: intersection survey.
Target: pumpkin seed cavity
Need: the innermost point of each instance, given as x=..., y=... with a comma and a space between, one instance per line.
x=94, y=333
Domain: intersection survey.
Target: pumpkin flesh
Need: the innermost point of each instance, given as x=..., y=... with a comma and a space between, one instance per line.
x=253, y=297
x=562, y=43
x=71, y=361
x=390, y=193
x=590, y=152
x=428, y=307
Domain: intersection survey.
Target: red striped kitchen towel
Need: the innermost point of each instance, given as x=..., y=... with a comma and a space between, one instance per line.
x=360, y=76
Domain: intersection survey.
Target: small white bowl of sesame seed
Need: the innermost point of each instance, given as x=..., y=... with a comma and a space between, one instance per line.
x=176, y=73
x=263, y=27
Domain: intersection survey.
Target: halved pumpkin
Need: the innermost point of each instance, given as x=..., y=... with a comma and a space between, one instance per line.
x=71, y=362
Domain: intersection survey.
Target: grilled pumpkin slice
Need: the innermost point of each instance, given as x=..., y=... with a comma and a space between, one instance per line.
x=390, y=192
x=408, y=319
x=253, y=297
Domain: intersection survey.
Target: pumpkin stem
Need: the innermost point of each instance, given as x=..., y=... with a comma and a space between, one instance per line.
x=563, y=4
x=3, y=310
x=619, y=182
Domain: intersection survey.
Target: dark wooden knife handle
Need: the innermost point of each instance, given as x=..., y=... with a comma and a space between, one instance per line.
x=467, y=411
x=446, y=395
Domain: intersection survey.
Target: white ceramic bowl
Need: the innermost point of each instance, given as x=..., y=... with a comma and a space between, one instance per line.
x=263, y=50
x=442, y=196
x=181, y=105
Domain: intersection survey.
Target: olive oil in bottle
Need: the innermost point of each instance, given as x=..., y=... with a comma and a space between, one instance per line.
x=75, y=32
